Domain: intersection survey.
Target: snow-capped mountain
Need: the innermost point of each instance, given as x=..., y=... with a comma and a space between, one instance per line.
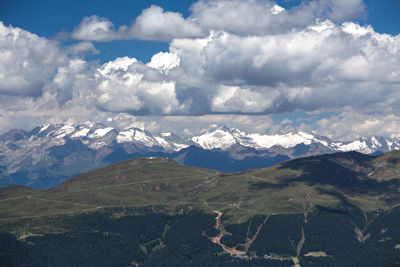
x=225, y=138
x=97, y=136
x=54, y=152
x=170, y=141
x=48, y=154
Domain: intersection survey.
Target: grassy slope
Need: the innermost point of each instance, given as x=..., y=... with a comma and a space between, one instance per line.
x=345, y=180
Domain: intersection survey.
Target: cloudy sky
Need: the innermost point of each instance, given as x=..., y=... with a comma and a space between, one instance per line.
x=328, y=66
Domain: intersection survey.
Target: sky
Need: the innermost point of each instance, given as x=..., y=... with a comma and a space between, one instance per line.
x=327, y=66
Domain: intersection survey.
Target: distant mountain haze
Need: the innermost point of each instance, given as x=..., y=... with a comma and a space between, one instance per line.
x=47, y=155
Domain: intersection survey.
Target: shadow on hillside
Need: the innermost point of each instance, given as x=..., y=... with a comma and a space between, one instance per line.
x=338, y=171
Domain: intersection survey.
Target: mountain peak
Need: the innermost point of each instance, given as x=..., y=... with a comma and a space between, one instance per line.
x=220, y=138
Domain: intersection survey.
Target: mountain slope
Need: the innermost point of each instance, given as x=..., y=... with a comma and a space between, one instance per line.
x=319, y=210
x=330, y=180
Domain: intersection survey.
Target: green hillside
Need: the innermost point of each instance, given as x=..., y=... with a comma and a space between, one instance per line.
x=348, y=180
x=310, y=211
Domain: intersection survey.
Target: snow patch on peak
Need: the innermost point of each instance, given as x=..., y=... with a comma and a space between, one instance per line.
x=63, y=131
x=161, y=141
x=125, y=136
x=223, y=138
x=217, y=139
x=179, y=146
x=356, y=145
x=142, y=137
x=67, y=127
x=44, y=128
x=375, y=142
x=100, y=132
x=389, y=143
x=286, y=140
x=138, y=135
x=170, y=144
x=81, y=133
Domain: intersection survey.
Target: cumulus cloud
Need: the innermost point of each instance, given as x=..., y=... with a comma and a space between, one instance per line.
x=73, y=82
x=40, y=80
x=126, y=85
x=94, y=28
x=234, y=99
x=247, y=17
x=350, y=125
x=82, y=48
x=156, y=24
x=164, y=61
x=321, y=67
x=240, y=17
x=266, y=17
x=152, y=24
x=33, y=66
x=27, y=61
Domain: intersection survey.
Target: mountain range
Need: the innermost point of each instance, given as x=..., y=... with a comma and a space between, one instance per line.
x=49, y=154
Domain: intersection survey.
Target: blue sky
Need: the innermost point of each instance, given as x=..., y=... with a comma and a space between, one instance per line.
x=49, y=18
x=267, y=67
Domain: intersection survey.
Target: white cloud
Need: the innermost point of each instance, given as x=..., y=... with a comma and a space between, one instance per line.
x=94, y=28
x=321, y=67
x=27, y=61
x=152, y=24
x=233, y=99
x=156, y=24
x=240, y=17
x=164, y=61
x=73, y=82
x=126, y=85
x=82, y=48
x=351, y=125
x=356, y=29
x=256, y=17
x=247, y=17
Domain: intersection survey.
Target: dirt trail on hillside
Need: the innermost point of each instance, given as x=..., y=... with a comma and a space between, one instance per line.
x=248, y=244
x=217, y=239
x=301, y=242
x=227, y=249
